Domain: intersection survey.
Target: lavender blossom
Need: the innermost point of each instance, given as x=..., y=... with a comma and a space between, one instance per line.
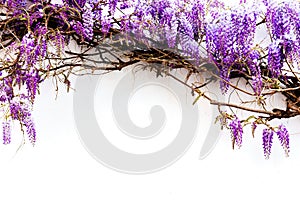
x=196, y=18
x=26, y=48
x=21, y=111
x=78, y=28
x=236, y=131
x=32, y=84
x=6, y=90
x=229, y=39
x=267, y=137
x=257, y=81
x=275, y=58
x=17, y=4
x=88, y=21
x=30, y=130
x=279, y=20
x=125, y=4
x=283, y=22
x=113, y=5
x=106, y=25
x=283, y=136
x=6, y=132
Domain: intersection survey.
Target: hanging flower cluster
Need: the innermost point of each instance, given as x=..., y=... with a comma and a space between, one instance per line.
x=283, y=23
x=34, y=34
x=229, y=41
x=283, y=137
x=237, y=131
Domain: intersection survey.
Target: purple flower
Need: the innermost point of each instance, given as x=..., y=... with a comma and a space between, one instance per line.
x=283, y=136
x=125, y=4
x=32, y=84
x=267, y=137
x=279, y=17
x=283, y=22
x=20, y=111
x=171, y=33
x=257, y=83
x=41, y=47
x=78, y=28
x=275, y=58
x=88, y=21
x=30, y=130
x=196, y=18
x=6, y=132
x=224, y=74
x=44, y=47
x=17, y=4
x=32, y=49
x=229, y=39
x=255, y=71
x=113, y=5
x=236, y=131
x=6, y=90
x=106, y=25
x=27, y=46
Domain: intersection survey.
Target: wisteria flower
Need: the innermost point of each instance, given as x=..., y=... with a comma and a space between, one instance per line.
x=236, y=131
x=283, y=136
x=267, y=137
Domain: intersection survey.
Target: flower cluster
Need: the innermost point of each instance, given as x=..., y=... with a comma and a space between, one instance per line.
x=229, y=39
x=6, y=132
x=283, y=137
x=181, y=23
x=275, y=59
x=267, y=137
x=88, y=21
x=283, y=23
x=20, y=111
x=236, y=131
x=255, y=71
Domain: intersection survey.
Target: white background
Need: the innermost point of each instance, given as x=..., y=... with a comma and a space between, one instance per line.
x=59, y=167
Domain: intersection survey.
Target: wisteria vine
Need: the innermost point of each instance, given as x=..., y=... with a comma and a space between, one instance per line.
x=34, y=36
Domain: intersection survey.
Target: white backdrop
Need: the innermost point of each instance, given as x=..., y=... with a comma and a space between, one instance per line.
x=59, y=167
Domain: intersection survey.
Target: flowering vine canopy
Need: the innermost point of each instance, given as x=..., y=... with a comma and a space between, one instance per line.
x=34, y=36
